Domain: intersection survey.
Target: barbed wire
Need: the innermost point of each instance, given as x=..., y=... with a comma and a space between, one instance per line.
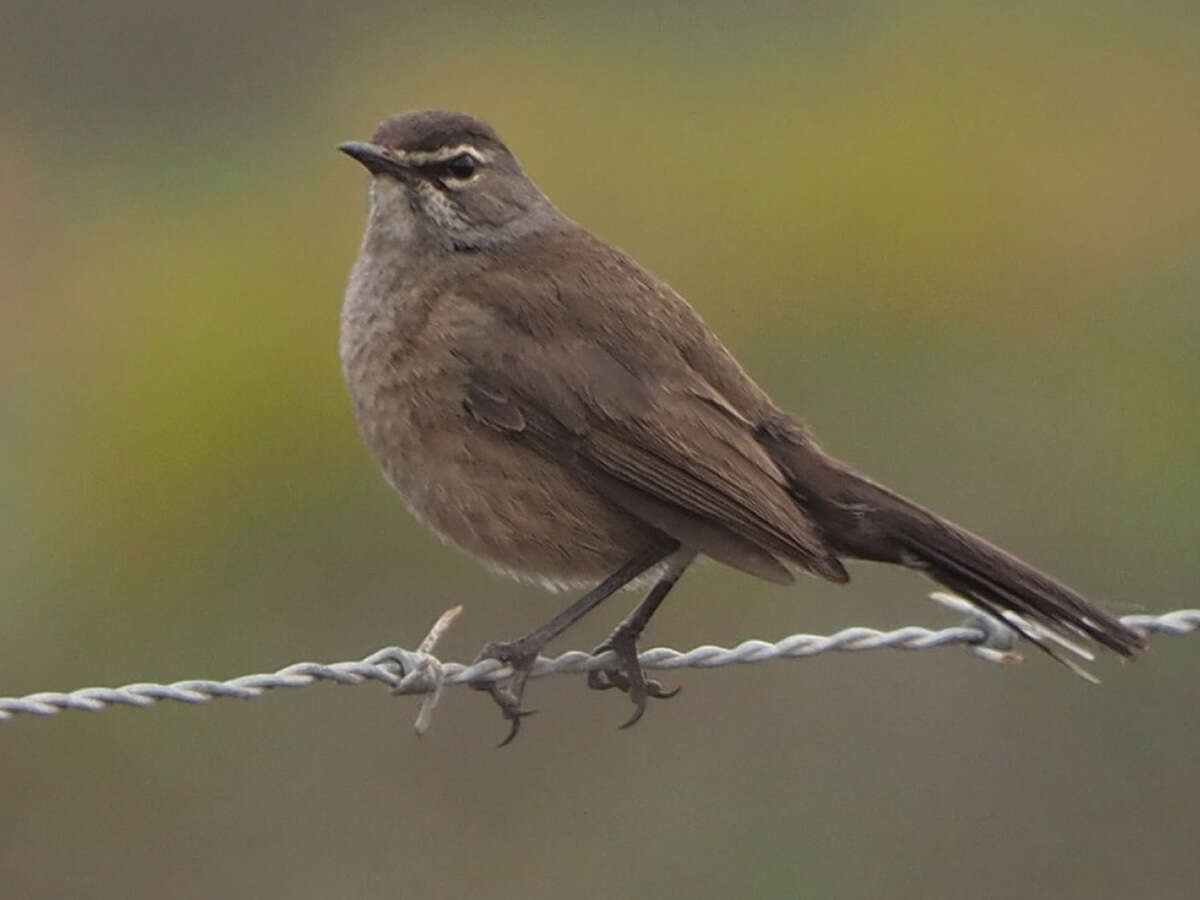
x=419, y=672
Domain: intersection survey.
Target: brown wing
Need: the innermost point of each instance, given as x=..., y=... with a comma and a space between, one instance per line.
x=664, y=445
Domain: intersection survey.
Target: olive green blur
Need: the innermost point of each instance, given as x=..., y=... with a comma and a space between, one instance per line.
x=963, y=240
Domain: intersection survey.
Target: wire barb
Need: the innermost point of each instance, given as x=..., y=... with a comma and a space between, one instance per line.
x=428, y=671
x=419, y=672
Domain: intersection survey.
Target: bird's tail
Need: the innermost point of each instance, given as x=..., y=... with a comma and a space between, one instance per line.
x=864, y=520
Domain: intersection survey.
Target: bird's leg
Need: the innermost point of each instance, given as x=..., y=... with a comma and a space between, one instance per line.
x=521, y=654
x=628, y=675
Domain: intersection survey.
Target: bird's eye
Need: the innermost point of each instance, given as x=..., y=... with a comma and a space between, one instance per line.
x=462, y=166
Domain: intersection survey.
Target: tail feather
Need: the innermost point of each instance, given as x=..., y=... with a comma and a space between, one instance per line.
x=996, y=580
x=1056, y=645
x=864, y=520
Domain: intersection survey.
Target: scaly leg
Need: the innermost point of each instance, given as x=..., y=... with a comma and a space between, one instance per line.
x=521, y=653
x=628, y=676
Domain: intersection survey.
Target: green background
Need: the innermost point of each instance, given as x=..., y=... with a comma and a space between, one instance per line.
x=962, y=240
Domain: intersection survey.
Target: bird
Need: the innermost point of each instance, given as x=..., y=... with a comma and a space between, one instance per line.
x=547, y=405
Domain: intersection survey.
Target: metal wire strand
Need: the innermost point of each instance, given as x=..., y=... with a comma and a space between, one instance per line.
x=419, y=672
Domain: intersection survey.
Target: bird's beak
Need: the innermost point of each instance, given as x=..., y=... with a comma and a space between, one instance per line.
x=376, y=159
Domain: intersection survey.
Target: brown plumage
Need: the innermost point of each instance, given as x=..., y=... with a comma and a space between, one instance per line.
x=547, y=405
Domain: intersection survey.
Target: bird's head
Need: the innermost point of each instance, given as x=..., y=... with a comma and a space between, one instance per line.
x=446, y=179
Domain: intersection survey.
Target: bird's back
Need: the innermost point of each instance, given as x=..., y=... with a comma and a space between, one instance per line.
x=569, y=282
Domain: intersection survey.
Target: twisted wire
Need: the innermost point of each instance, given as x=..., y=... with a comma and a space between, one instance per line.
x=418, y=672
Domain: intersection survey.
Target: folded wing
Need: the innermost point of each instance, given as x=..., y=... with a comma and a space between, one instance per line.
x=661, y=444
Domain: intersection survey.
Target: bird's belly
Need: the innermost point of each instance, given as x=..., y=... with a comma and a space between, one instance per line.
x=486, y=492
x=516, y=511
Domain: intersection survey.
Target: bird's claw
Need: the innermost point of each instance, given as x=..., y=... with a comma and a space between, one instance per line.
x=520, y=657
x=627, y=676
x=514, y=713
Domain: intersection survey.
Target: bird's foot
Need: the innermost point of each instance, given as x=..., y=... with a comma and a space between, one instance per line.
x=518, y=655
x=627, y=676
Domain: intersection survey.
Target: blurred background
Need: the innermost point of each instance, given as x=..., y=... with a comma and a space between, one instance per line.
x=962, y=240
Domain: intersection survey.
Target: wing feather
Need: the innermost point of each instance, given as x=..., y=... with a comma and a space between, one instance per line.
x=667, y=448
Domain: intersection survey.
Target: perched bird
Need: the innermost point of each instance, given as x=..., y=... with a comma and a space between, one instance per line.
x=546, y=404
